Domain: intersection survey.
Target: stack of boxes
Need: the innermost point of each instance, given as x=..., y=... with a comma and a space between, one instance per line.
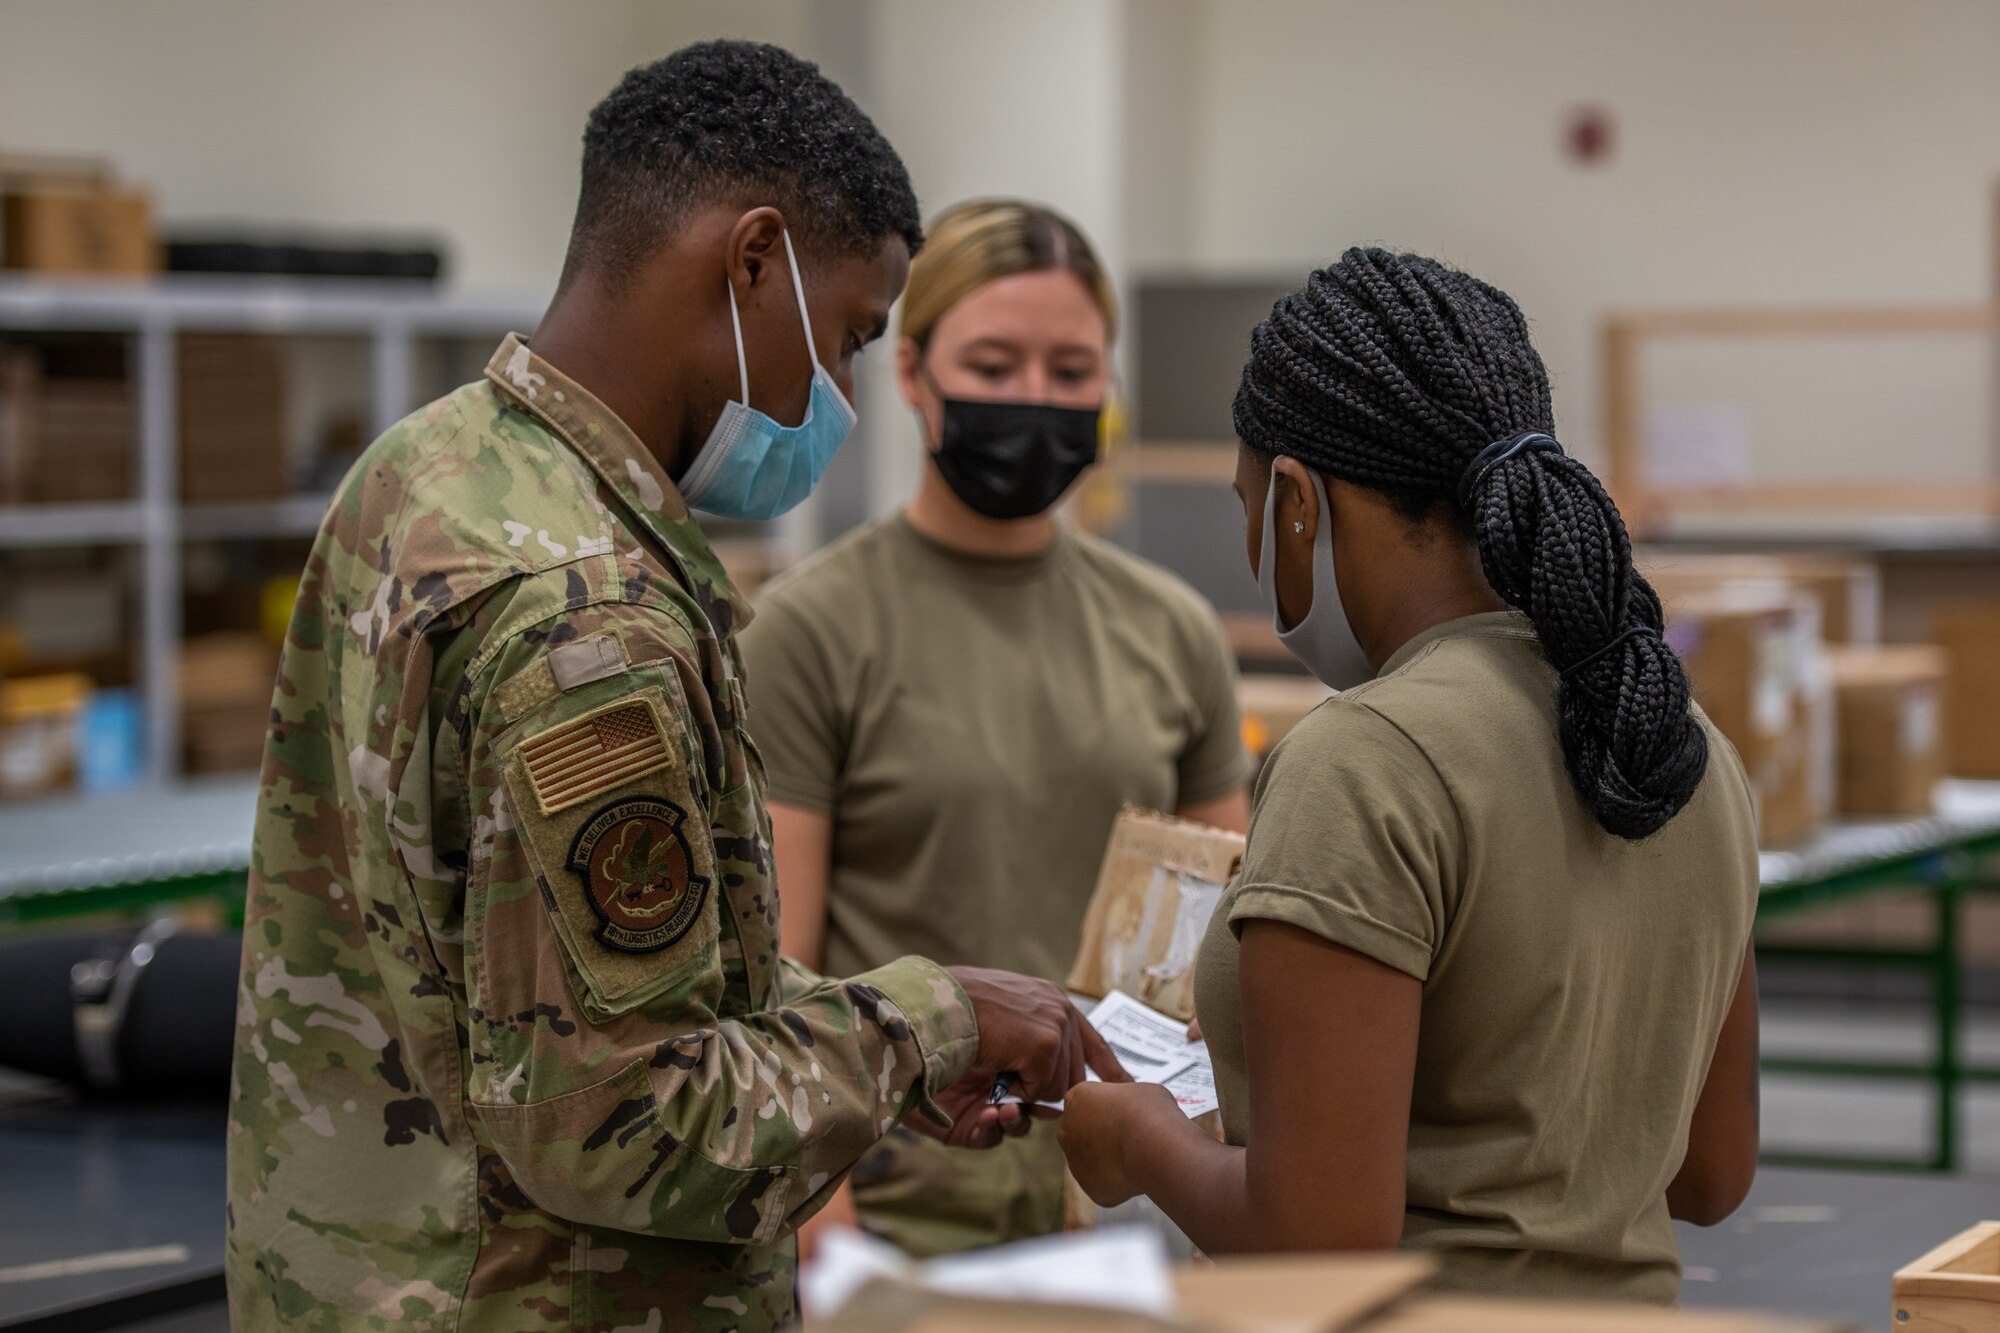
x=67, y=423
x=1891, y=728
x=1879, y=725
x=232, y=417
x=1754, y=658
x=1970, y=636
x=1783, y=654
x=70, y=215
x=226, y=682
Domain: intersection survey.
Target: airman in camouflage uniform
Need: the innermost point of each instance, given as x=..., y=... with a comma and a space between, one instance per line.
x=515, y=1046
x=510, y=661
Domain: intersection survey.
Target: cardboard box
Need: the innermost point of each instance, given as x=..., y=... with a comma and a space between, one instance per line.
x=1890, y=728
x=1954, y=1288
x=20, y=378
x=81, y=434
x=232, y=398
x=1846, y=588
x=1970, y=635
x=40, y=717
x=21, y=170
x=1159, y=883
x=65, y=437
x=226, y=685
x=1757, y=667
x=1361, y=1293
x=1474, y=1314
x=1271, y=705
x=68, y=228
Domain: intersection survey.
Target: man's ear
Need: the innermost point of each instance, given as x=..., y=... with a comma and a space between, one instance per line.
x=755, y=240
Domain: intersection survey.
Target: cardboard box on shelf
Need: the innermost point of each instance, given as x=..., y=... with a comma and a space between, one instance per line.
x=40, y=717
x=232, y=392
x=1159, y=882
x=1757, y=667
x=1970, y=635
x=21, y=170
x=1890, y=729
x=1273, y=704
x=67, y=617
x=20, y=377
x=60, y=227
x=81, y=435
x=226, y=683
x=1847, y=588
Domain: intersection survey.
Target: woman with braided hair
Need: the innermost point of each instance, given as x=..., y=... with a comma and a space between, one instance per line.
x=1484, y=985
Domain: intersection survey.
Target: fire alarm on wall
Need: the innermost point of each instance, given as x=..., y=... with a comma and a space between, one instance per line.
x=1589, y=134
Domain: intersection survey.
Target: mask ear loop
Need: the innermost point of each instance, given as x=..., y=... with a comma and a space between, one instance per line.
x=736, y=323
x=799, y=290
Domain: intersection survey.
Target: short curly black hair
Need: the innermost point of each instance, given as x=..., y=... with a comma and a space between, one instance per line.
x=735, y=122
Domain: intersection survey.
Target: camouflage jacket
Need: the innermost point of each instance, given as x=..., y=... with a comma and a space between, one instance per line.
x=515, y=1046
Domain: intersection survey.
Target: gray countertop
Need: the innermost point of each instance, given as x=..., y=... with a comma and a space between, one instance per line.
x=186, y=828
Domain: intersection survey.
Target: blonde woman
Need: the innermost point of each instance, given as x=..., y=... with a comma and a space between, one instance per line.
x=954, y=702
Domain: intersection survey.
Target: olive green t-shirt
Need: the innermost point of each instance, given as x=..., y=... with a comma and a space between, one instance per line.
x=971, y=725
x=1574, y=983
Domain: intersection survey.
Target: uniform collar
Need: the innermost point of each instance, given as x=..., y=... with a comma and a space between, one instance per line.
x=1500, y=624
x=595, y=432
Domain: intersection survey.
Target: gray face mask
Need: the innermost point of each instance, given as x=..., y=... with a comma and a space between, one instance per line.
x=1324, y=642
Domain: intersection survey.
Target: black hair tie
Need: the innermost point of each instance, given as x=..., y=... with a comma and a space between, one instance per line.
x=1574, y=667
x=1495, y=454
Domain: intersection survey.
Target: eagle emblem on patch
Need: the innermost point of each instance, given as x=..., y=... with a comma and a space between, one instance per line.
x=638, y=874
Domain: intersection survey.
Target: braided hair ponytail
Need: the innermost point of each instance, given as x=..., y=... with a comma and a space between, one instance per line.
x=1396, y=373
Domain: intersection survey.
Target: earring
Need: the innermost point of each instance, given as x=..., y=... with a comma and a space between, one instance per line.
x=1298, y=527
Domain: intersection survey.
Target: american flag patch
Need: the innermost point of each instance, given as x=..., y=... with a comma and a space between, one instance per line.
x=593, y=754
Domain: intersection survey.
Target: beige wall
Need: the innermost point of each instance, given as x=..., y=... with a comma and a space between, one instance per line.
x=1022, y=99
x=1770, y=150
x=455, y=118
x=1785, y=151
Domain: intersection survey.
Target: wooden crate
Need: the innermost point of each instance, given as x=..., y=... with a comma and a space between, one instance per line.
x=1953, y=1289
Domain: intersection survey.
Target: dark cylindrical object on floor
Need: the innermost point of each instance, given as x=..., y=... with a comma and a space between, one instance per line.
x=142, y=1014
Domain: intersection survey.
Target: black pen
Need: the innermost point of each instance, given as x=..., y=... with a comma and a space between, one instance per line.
x=1001, y=1088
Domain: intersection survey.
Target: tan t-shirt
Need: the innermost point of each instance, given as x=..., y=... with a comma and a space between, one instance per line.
x=1574, y=983
x=972, y=726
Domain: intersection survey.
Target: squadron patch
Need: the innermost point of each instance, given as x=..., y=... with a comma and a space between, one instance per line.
x=638, y=874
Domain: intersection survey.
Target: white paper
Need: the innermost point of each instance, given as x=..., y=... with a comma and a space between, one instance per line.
x=1154, y=1048
x=846, y=1261
x=1151, y=1045
x=1122, y=1268
x=1194, y=1087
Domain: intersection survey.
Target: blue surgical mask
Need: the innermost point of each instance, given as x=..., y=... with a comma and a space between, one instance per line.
x=750, y=466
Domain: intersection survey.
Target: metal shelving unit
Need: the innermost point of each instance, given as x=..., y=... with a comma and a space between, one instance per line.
x=392, y=317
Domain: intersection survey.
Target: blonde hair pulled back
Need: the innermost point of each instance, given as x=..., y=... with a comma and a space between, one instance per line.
x=984, y=240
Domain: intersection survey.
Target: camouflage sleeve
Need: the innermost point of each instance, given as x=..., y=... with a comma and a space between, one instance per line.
x=795, y=979
x=637, y=1057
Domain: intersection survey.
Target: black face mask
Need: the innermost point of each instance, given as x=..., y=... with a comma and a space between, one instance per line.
x=1010, y=459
